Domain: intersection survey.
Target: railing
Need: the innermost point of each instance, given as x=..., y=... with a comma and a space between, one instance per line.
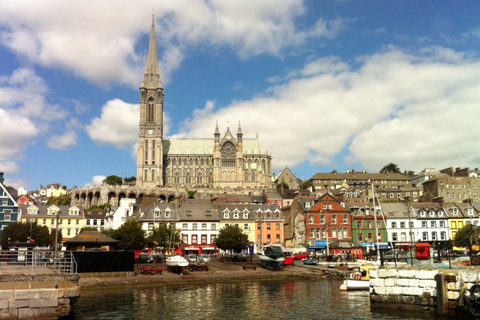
x=37, y=262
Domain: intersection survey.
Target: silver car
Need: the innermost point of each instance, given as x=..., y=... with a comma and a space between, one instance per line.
x=204, y=257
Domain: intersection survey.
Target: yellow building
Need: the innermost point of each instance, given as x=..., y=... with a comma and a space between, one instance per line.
x=68, y=219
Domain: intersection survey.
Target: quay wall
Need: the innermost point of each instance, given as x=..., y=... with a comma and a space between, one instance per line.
x=420, y=291
x=46, y=296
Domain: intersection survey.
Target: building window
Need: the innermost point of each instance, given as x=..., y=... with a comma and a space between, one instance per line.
x=310, y=219
x=370, y=237
x=312, y=233
x=369, y=224
x=322, y=219
x=268, y=226
x=213, y=226
x=204, y=239
x=334, y=219
x=345, y=219
x=204, y=226
x=278, y=226
x=394, y=225
x=185, y=238
x=194, y=226
x=359, y=224
x=245, y=226
x=443, y=236
x=434, y=236
x=360, y=237
x=269, y=238
x=394, y=236
x=194, y=239
x=433, y=224
x=184, y=226
x=402, y=225
x=278, y=238
x=424, y=236
x=424, y=224
x=442, y=224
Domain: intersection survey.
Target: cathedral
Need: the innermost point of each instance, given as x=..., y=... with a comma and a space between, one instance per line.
x=224, y=161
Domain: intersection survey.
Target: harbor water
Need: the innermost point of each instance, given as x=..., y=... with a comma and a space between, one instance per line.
x=316, y=299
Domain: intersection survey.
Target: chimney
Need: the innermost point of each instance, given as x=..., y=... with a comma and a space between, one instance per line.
x=1, y=178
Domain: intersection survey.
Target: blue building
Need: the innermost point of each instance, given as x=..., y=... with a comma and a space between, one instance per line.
x=8, y=206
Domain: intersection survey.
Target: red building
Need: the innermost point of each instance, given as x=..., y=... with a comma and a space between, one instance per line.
x=328, y=220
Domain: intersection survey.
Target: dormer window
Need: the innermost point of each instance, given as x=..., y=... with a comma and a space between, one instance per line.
x=168, y=212
x=226, y=214
x=245, y=214
x=432, y=213
x=423, y=213
x=236, y=213
x=307, y=205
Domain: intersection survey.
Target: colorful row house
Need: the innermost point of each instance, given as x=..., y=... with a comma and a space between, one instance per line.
x=8, y=206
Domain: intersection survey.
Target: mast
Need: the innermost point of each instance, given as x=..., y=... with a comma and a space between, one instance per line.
x=375, y=238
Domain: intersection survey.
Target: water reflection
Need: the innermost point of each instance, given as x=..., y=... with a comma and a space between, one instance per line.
x=319, y=299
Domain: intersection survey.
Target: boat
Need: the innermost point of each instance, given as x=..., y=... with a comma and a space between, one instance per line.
x=310, y=262
x=359, y=280
x=272, y=256
x=176, y=261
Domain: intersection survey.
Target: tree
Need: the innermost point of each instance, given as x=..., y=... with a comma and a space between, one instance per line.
x=131, y=179
x=285, y=185
x=22, y=231
x=391, y=168
x=231, y=238
x=130, y=236
x=113, y=180
x=467, y=236
x=306, y=185
x=165, y=237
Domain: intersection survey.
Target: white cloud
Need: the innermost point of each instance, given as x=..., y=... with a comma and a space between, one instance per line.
x=62, y=142
x=16, y=134
x=9, y=166
x=92, y=41
x=96, y=181
x=411, y=109
x=118, y=124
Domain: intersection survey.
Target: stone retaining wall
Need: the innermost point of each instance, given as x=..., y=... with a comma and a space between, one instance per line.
x=37, y=296
x=416, y=290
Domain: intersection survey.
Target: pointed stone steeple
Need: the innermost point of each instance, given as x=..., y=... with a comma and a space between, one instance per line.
x=217, y=133
x=239, y=133
x=151, y=78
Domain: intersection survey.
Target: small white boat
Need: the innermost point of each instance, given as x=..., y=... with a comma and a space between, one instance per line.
x=176, y=261
x=359, y=280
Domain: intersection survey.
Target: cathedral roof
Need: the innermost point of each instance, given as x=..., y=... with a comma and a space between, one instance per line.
x=202, y=146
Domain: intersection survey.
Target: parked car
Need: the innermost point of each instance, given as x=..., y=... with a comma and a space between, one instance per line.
x=300, y=255
x=240, y=257
x=144, y=258
x=204, y=257
x=192, y=258
x=158, y=258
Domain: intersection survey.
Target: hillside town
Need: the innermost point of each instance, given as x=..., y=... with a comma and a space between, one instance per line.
x=341, y=212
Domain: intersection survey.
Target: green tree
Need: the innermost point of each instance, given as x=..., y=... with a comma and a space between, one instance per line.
x=130, y=179
x=391, y=168
x=191, y=193
x=285, y=185
x=467, y=236
x=231, y=238
x=306, y=185
x=113, y=180
x=165, y=237
x=22, y=231
x=130, y=236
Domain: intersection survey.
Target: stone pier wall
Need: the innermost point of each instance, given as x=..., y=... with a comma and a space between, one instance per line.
x=416, y=290
x=38, y=296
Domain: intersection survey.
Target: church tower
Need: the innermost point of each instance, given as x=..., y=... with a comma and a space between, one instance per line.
x=150, y=142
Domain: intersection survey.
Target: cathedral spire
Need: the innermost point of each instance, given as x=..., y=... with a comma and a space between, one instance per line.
x=151, y=78
x=239, y=132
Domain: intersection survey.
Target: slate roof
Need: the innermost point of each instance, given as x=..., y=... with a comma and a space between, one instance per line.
x=92, y=237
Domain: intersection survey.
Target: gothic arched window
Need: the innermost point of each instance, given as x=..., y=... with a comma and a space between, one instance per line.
x=150, y=110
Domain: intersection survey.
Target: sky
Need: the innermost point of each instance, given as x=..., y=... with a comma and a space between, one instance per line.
x=325, y=85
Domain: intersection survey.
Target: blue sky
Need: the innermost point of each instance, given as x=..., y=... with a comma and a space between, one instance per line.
x=325, y=84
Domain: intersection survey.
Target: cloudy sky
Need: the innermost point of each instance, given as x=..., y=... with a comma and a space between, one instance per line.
x=340, y=84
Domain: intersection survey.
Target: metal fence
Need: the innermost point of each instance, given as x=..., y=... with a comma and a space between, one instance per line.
x=37, y=262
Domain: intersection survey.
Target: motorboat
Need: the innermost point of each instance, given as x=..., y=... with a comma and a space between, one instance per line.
x=176, y=261
x=272, y=256
x=359, y=280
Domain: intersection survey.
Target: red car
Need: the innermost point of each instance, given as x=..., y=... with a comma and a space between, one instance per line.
x=300, y=255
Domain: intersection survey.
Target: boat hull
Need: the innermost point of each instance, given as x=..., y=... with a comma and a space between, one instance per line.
x=352, y=284
x=176, y=261
x=270, y=262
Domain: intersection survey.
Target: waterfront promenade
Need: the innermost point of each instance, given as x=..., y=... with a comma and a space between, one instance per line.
x=217, y=272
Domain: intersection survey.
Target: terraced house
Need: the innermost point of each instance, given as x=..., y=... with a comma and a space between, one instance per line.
x=8, y=206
